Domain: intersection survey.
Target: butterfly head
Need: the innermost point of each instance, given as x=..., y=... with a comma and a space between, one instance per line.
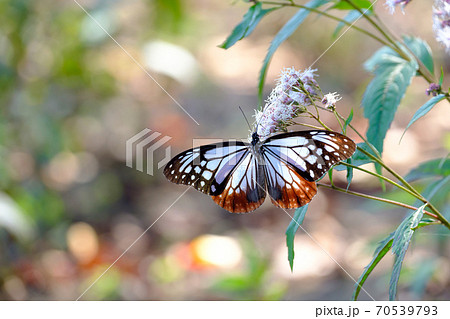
x=255, y=138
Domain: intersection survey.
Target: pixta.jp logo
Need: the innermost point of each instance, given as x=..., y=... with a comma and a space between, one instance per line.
x=142, y=147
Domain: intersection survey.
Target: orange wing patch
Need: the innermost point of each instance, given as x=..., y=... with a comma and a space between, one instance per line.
x=293, y=195
x=237, y=202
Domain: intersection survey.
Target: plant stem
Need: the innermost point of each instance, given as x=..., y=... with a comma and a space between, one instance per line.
x=376, y=198
x=333, y=17
x=390, y=181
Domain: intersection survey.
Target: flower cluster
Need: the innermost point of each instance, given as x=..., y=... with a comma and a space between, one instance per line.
x=294, y=91
x=392, y=4
x=441, y=22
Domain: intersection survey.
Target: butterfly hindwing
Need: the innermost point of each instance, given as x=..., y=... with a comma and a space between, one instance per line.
x=286, y=187
x=246, y=189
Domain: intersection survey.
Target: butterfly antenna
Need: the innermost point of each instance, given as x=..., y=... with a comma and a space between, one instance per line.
x=245, y=118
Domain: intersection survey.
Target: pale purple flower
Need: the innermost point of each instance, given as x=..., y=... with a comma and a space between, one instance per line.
x=330, y=100
x=392, y=4
x=433, y=89
x=294, y=91
x=441, y=22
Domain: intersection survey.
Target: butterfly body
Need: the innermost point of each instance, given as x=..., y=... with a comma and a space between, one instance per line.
x=238, y=175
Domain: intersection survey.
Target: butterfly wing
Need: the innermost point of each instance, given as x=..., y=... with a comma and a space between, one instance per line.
x=286, y=187
x=295, y=160
x=226, y=171
x=245, y=190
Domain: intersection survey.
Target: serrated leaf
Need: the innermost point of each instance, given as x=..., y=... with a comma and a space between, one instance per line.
x=295, y=223
x=383, y=95
x=381, y=59
x=249, y=22
x=400, y=244
x=424, y=109
x=344, y=5
x=438, y=187
x=350, y=17
x=421, y=50
x=434, y=167
x=382, y=249
x=285, y=32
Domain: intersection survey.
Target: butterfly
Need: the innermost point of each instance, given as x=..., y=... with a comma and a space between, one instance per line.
x=237, y=175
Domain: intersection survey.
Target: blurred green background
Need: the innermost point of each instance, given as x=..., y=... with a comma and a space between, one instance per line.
x=70, y=97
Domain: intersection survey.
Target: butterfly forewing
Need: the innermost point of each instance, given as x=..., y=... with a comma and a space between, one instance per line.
x=206, y=168
x=310, y=153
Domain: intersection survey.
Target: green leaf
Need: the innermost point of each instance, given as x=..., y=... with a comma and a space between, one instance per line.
x=249, y=22
x=400, y=244
x=424, y=109
x=435, y=167
x=421, y=50
x=362, y=4
x=348, y=121
x=438, y=188
x=384, y=93
x=426, y=222
x=295, y=223
x=384, y=57
x=441, y=78
x=281, y=36
x=350, y=17
x=379, y=253
x=349, y=173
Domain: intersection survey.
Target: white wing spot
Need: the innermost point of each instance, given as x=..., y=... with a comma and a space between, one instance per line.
x=313, y=133
x=327, y=157
x=193, y=177
x=346, y=146
x=172, y=172
x=207, y=175
x=197, y=169
x=311, y=173
x=188, y=169
x=319, y=166
x=311, y=159
x=336, y=153
x=329, y=148
x=303, y=152
x=312, y=147
x=319, y=151
x=212, y=164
